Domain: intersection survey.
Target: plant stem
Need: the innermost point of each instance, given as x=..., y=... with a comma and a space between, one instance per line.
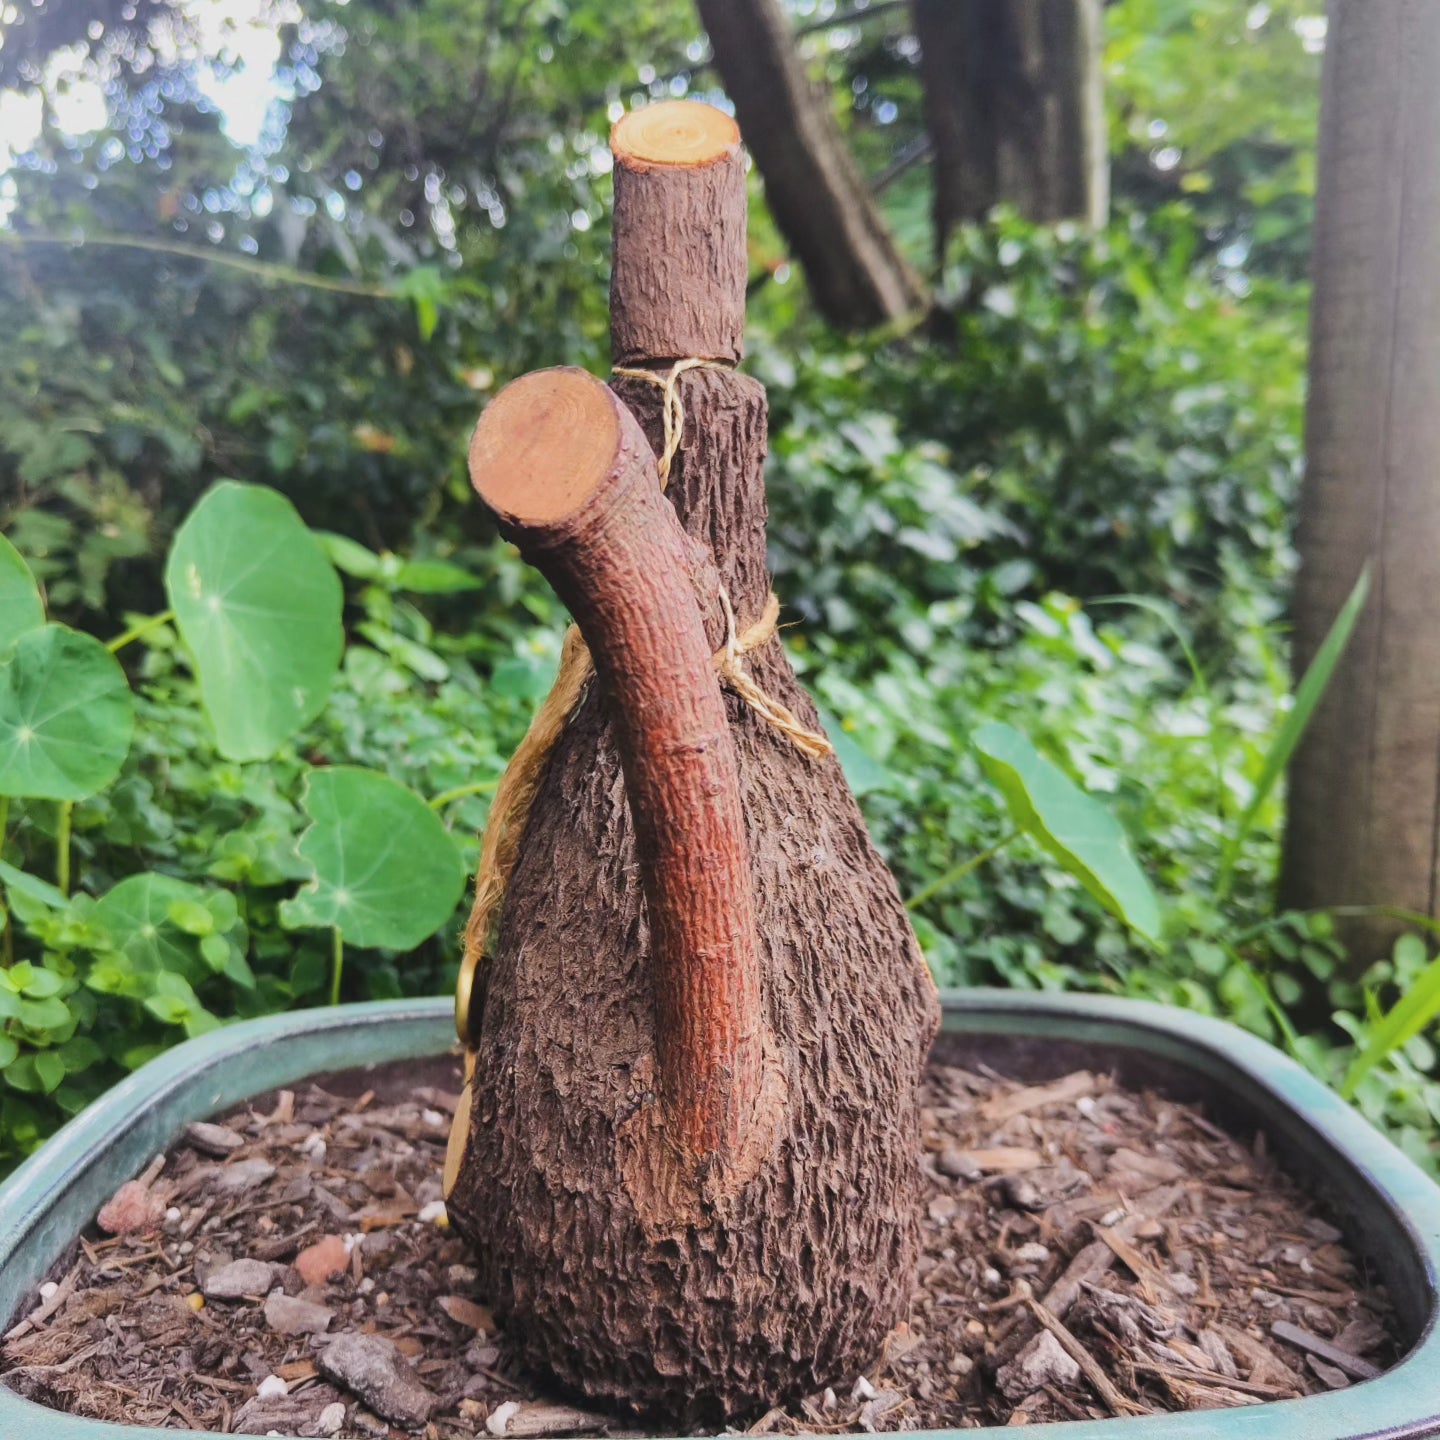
x=959, y=872
x=4, y=822
x=480, y=787
x=141, y=627
x=62, y=847
x=337, y=964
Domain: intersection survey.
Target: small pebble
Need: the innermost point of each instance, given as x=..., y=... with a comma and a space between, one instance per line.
x=317, y=1263
x=1021, y=1193
x=331, y=1419
x=1042, y=1362
x=374, y=1369
x=957, y=1164
x=1033, y=1253
x=270, y=1386
x=500, y=1417
x=434, y=1214
x=242, y=1176
x=289, y=1315
x=213, y=1139
x=960, y=1364
x=862, y=1389
x=48, y=1289
x=134, y=1206
x=238, y=1280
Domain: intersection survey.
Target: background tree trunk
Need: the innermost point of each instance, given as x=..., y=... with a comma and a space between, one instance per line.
x=1015, y=108
x=1365, y=786
x=832, y=224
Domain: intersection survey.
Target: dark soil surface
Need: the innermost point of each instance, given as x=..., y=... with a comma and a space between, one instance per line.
x=1091, y=1251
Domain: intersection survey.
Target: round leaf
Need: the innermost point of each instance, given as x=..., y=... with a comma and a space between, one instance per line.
x=259, y=607
x=65, y=716
x=20, y=606
x=136, y=914
x=1077, y=830
x=386, y=872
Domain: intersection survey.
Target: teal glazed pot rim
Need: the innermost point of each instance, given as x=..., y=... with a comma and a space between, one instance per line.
x=1390, y=1209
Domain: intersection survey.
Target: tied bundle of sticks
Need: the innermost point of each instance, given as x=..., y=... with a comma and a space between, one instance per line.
x=500, y=843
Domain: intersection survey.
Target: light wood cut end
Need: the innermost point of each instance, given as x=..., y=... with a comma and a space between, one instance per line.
x=544, y=445
x=684, y=133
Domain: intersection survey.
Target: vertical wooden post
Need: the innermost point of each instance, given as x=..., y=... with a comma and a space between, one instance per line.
x=1364, y=815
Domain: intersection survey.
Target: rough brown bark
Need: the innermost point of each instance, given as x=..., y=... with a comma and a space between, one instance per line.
x=606, y=538
x=688, y=301
x=1014, y=107
x=1364, y=812
x=690, y=1292
x=854, y=269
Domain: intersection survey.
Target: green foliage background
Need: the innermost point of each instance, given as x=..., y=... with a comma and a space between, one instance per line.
x=425, y=215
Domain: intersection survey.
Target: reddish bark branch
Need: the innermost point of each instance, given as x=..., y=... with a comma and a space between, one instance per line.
x=569, y=473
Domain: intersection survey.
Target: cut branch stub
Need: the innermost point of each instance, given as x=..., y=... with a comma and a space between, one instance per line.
x=567, y=470
x=677, y=288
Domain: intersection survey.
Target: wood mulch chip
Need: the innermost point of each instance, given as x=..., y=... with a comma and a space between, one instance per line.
x=1090, y=1251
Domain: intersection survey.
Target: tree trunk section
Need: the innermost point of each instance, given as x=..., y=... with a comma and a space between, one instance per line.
x=855, y=272
x=694, y=1290
x=1015, y=108
x=1364, y=810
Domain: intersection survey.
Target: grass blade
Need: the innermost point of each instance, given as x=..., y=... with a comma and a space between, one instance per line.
x=1410, y=1014
x=1307, y=697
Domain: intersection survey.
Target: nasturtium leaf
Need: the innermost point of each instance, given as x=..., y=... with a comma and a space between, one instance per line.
x=20, y=605
x=386, y=872
x=138, y=916
x=1075, y=828
x=258, y=604
x=66, y=715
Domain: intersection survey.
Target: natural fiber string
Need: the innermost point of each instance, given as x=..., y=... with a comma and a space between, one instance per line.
x=500, y=844
x=671, y=410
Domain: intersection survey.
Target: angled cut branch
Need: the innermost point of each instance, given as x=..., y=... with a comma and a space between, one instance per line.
x=568, y=472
